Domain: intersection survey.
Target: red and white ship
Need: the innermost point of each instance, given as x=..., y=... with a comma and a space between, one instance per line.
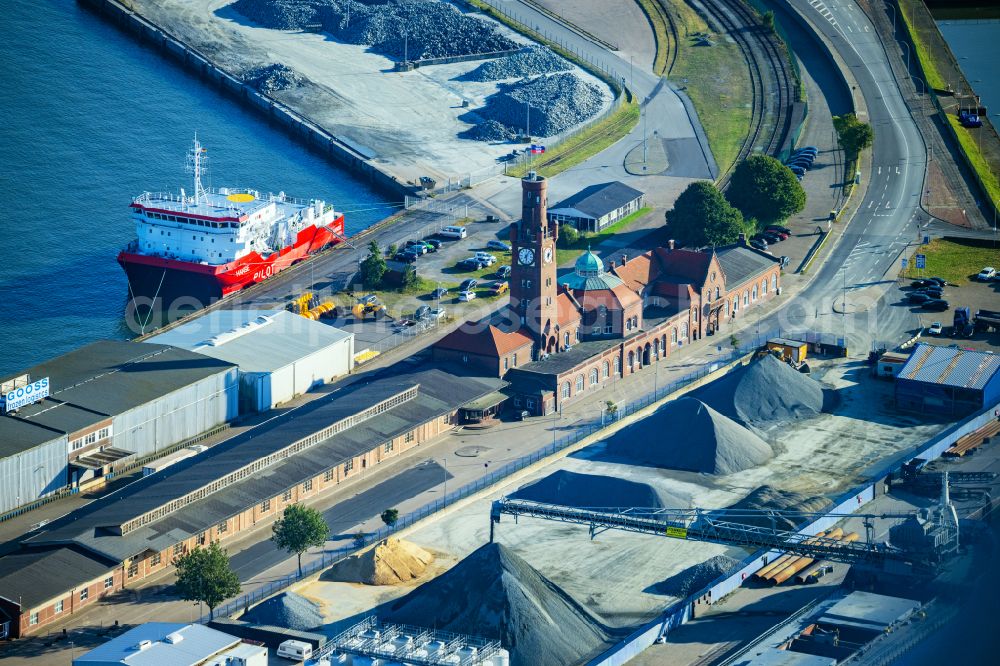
x=215, y=242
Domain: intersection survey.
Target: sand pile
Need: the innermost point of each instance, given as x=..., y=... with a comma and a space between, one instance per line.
x=389, y=563
x=493, y=593
x=593, y=491
x=289, y=610
x=765, y=391
x=694, y=578
x=769, y=497
x=687, y=434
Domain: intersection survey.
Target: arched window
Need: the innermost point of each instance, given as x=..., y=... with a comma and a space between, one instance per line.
x=736, y=304
x=606, y=368
x=673, y=336
x=694, y=314
x=774, y=282
x=717, y=293
x=579, y=384
x=631, y=359
x=684, y=331
x=754, y=294
x=763, y=287
x=566, y=339
x=746, y=298
x=628, y=324
x=664, y=345
x=618, y=365
x=594, y=377
x=565, y=389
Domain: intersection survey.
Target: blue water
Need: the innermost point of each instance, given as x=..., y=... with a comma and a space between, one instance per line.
x=976, y=44
x=90, y=119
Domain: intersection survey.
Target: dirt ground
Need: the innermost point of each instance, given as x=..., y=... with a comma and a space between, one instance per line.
x=407, y=123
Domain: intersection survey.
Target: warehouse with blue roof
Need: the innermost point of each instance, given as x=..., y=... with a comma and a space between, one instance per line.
x=948, y=381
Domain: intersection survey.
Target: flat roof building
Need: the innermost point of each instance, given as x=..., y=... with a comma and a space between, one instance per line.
x=948, y=381
x=109, y=402
x=177, y=644
x=279, y=354
x=597, y=207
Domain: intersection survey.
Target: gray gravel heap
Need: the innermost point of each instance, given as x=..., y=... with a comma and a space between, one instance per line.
x=271, y=78
x=557, y=102
x=764, y=392
x=434, y=29
x=694, y=578
x=493, y=593
x=492, y=131
x=536, y=60
x=289, y=610
x=769, y=497
x=593, y=491
x=687, y=434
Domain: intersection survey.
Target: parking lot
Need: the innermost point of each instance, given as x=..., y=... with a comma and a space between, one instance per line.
x=974, y=295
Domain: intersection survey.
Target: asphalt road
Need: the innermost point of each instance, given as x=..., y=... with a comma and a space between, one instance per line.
x=889, y=216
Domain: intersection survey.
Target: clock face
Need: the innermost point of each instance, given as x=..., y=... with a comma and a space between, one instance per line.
x=526, y=256
x=548, y=254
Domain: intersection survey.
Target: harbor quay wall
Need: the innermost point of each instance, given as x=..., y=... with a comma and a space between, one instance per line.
x=297, y=125
x=685, y=610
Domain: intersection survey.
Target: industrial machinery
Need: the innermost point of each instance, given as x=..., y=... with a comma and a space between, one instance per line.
x=369, y=305
x=938, y=526
x=308, y=306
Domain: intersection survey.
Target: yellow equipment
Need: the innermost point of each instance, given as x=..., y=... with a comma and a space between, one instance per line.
x=368, y=305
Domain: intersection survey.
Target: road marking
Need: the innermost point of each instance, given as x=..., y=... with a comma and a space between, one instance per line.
x=880, y=171
x=870, y=204
x=850, y=28
x=887, y=205
x=897, y=171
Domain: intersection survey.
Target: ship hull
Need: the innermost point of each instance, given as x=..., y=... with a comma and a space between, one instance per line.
x=172, y=281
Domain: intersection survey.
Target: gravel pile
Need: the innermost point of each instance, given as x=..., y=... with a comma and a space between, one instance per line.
x=530, y=62
x=687, y=434
x=557, y=102
x=593, y=491
x=765, y=391
x=289, y=610
x=271, y=78
x=694, y=578
x=493, y=593
x=769, y=497
x=420, y=28
x=491, y=130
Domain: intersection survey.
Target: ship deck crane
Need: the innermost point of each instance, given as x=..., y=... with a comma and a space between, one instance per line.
x=722, y=526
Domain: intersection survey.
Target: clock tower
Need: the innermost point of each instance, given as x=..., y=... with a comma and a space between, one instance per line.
x=533, y=266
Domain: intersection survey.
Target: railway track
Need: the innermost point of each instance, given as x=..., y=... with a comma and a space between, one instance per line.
x=771, y=80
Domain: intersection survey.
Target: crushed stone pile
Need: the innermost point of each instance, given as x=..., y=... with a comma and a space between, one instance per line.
x=289, y=610
x=687, y=434
x=417, y=29
x=769, y=497
x=593, y=491
x=530, y=62
x=694, y=578
x=491, y=130
x=493, y=593
x=556, y=101
x=763, y=392
x=271, y=78
x=391, y=562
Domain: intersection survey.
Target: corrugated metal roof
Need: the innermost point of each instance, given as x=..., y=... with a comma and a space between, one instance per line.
x=255, y=340
x=27, y=578
x=197, y=643
x=596, y=201
x=740, y=263
x=949, y=366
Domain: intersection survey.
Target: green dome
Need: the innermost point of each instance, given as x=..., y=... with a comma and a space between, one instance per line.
x=589, y=265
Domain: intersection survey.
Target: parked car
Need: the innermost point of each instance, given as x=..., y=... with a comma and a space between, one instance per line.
x=468, y=285
x=498, y=245
x=797, y=170
x=486, y=258
x=807, y=149
x=499, y=288
x=453, y=232
x=758, y=244
x=917, y=297
x=801, y=157
x=522, y=415
x=405, y=257
x=466, y=296
x=772, y=238
x=920, y=284
x=437, y=313
x=439, y=293
x=935, y=328
x=415, y=246
x=800, y=162
x=433, y=242
x=987, y=274
x=933, y=292
x=783, y=261
x=423, y=312
x=471, y=263
x=940, y=281
x=780, y=229
x=936, y=304
x=503, y=273
x=774, y=232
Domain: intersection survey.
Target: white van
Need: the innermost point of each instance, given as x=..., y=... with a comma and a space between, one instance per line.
x=453, y=232
x=295, y=650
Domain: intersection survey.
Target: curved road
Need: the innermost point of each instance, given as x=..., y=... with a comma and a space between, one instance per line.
x=889, y=216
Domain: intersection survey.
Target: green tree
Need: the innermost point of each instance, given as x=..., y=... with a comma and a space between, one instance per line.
x=768, y=20
x=373, y=266
x=299, y=529
x=409, y=279
x=701, y=216
x=568, y=235
x=854, y=135
x=390, y=516
x=391, y=250
x=204, y=575
x=765, y=189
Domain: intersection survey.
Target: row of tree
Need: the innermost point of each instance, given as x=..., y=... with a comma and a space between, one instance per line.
x=374, y=268
x=205, y=575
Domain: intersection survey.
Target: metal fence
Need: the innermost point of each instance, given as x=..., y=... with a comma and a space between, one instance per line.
x=581, y=431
